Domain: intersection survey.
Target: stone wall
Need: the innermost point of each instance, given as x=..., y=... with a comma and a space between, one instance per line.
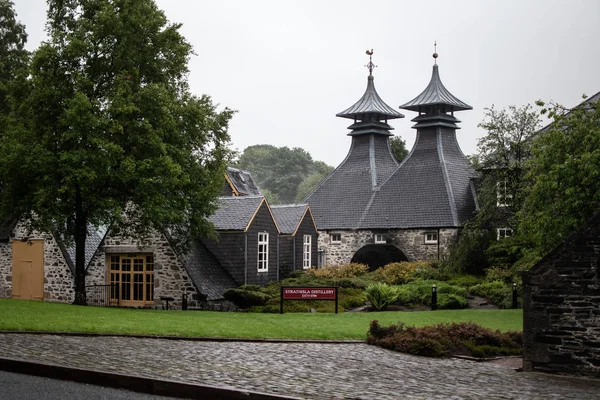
x=5, y=269
x=410, y=241
x=561, y=313
x=59, y=284
x=170, y=277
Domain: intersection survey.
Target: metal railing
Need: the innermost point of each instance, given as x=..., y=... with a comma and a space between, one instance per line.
x=102, y=295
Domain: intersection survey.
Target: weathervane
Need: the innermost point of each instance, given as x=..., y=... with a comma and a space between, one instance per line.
x=370, y=65
x=435, y=54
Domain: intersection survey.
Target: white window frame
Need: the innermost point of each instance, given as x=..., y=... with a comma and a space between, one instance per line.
x=306, y=251
x=379, y=238
x=503, y=197
x=331, y=236
x=502, y=233
x=262, y=263
x=431, y=237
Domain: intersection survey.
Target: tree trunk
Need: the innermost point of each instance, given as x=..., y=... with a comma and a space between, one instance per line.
x=80, y=237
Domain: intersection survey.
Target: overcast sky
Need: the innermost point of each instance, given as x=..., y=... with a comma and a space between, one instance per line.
x=288, y=67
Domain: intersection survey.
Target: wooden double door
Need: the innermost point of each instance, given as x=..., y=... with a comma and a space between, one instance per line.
x=132, y=279
x=28, y=270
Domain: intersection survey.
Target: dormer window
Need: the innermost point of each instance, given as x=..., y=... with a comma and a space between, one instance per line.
x=431, y=238
x=503, y=195
x=335, y=238
x=503, y=233
x=379, y=238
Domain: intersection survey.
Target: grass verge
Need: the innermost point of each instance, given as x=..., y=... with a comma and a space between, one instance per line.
x=42, y=316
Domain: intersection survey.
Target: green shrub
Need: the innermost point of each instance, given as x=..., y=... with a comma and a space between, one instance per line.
x=419, y=293
x=402, y=272
x=446, y=339
x=380, y=295
x=506, y=275
x=246, y=298
x=358, y=283
x=465, y=281
x=498, y=292
x=451, y=302
x=339, y=271
x=251, y=288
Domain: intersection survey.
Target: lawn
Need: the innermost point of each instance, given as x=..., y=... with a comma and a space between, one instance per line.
x=40, y=316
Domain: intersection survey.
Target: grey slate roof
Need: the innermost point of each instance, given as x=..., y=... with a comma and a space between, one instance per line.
x=92, y=242
x=242, y=182
x=6, y=228
x=341, y=199
x=430, y=189
x=370, y=103
x=288, y=217
x=236, y=212
x=210, y=278
x=436, y=94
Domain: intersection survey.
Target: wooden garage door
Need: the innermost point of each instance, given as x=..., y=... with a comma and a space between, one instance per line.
x=28, y=270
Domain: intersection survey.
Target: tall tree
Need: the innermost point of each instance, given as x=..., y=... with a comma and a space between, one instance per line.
x=501, y=161
x=110, y=133
x=565, y=171
x=13, y=56
x=280, y=170
x=398, y=147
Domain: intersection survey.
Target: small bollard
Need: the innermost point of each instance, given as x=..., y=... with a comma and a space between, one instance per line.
x=184, y=302
x=433, y=298
x=514, y=297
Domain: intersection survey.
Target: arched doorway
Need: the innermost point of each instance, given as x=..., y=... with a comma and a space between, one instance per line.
x=378, y=255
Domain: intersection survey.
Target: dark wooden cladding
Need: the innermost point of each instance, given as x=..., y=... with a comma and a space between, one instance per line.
x=262, y=222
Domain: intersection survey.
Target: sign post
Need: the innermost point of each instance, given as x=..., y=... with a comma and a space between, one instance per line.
x=308, y=293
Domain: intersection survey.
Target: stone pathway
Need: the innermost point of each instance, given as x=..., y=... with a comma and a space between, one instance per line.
x=306, y=370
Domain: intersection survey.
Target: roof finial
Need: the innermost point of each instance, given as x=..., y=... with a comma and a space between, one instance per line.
x=370, y=65
x=435, y=54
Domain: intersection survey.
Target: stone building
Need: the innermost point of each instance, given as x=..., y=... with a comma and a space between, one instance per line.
x=561, y=306
x=371, y=209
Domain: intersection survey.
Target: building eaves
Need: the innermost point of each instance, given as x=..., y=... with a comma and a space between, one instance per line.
x=436, y=94
x=370, y=103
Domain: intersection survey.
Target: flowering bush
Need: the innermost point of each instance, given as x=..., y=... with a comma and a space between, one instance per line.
x=340, y=271
x=402, y=272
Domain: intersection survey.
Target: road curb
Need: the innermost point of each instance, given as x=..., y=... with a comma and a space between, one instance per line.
x=190, y=338
x=134, y=383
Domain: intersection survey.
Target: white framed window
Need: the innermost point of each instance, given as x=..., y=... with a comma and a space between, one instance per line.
x=335, y=238
x=379, y=238
x=263, y=252
x=503, y=195
x=431, y=237
x=306, y=252
x=503, y=233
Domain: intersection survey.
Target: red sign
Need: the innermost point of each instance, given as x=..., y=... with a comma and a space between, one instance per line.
x=309, y=293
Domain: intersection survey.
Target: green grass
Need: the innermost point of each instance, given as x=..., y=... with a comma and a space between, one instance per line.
x=40, y=316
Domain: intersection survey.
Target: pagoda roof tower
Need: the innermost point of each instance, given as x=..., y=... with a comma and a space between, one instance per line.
x=430, y=189
x=341, y=198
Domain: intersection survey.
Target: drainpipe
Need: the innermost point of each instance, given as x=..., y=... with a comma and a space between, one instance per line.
x=294, y=252
x=245, y=258
x=278, y=264
x=438, y=242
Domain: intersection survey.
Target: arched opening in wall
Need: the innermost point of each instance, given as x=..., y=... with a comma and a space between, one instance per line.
x=377, y=255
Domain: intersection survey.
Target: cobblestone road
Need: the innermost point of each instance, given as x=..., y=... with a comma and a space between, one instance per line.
x=306, y=370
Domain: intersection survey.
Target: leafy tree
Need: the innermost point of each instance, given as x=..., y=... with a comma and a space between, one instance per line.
x=501, y=160
x=279, y=171
x=398, y=147
x=109, y=132
x=565, y=171
x=13, y=56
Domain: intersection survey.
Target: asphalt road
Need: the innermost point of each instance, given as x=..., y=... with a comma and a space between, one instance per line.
x=26, y=387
